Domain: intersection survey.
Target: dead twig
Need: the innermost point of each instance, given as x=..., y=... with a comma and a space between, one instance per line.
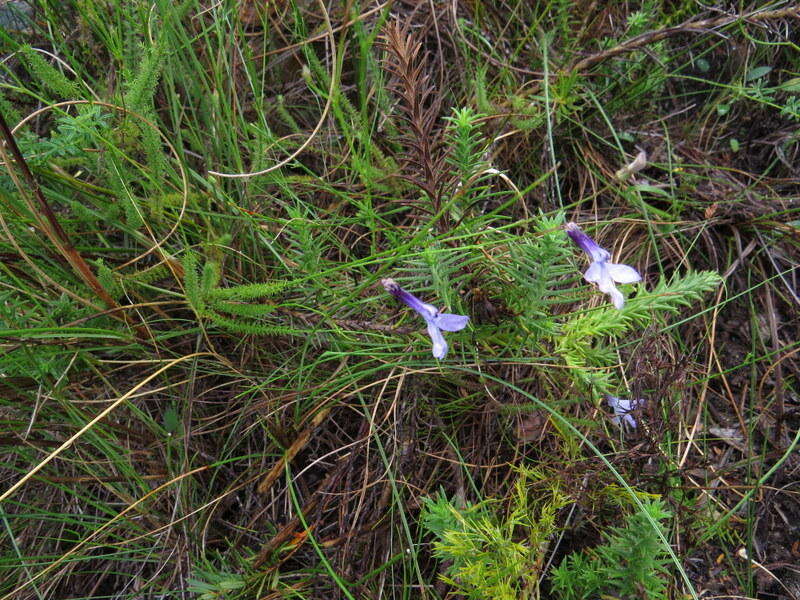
x=420, y=105
x=651, y=37
x=48, y=222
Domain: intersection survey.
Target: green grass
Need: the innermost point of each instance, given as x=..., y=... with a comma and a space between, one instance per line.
x=206, y=392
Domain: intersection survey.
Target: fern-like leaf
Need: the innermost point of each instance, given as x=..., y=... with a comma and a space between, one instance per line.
x=581, y=340
x=250, y=291
x=247, y=327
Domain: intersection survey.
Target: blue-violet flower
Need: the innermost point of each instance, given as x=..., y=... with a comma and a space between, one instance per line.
x=623, y=409
x=436, y=321
x=601, y=271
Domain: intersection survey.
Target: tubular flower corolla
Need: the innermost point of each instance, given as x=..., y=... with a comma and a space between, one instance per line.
x=436, y=321
x=602, y=272
x=623, y=409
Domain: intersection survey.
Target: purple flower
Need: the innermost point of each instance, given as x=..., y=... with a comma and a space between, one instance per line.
x=602, y=272
x=437, y=321
x=623, y=409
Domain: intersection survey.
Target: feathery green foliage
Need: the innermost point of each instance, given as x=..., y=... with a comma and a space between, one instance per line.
x=536, y=267
x=228, y=307
x=276, y=418
x=69, y=139
x=489, y=554
x=48, y=76
x=466, y=143
x=630, y=563
x=583, y=338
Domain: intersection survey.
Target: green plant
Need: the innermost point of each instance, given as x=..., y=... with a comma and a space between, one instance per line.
x=631, y=563
x=260, y=418
x=538, y=265
x=583, y=339
x=70, y=137
x=487, y=554
x=215, y=585
x=231, y=308
x=466, y=144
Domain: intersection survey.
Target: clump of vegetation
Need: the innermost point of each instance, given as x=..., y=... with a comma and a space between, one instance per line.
x=235, y=237
x=485, y=554
x=630, y=563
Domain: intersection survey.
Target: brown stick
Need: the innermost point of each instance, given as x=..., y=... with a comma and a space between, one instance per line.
x=55, y=232
x=292, y=451
x=49, y=223
x=688, y=27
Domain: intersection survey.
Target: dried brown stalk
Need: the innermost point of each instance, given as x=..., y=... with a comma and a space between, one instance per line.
x=705, y=25
x=420, y=105
x=49, y=224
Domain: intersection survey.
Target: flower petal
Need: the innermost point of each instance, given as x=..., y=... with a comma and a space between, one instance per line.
x=622, y=409
x=617, y=299
x=599, y=273
x=623, y=273
x=425, y=310
x=596, y=272
x=586, y=243
x=439, y=345
x=606, y=285
x=450, y=322
x=435, y=320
